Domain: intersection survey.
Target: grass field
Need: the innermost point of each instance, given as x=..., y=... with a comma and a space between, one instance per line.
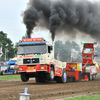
x=88, y=97
x=98, y=74
x=13, y=77
x=9, y=77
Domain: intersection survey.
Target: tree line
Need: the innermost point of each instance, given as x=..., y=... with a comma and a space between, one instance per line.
x=65, y=51
x=7, y=45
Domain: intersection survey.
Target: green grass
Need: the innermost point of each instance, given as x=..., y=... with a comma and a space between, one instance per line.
x=88, y=97
x=98, y=74
x=10, y=77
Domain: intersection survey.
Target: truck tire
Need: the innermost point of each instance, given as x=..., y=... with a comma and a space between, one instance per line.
x=3, y=72
x=40, y=77
x=93, y=77
x=50, y=76
x=62, y=79
x=24, y=77
x=15, y=72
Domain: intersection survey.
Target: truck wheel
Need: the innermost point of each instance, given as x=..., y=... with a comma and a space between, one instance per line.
x=90, y=77
x=3, y=72
x=62, y=79
x=93, y=77
x=40, y=77
x=24, y=77
x=15, y=72
x=50, y=76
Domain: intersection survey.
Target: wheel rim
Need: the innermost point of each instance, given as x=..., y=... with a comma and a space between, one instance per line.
x=90, y=77
x=15, y=72
x=94, y=76
x=3, y=72
x=52, y=74
x=64, y=77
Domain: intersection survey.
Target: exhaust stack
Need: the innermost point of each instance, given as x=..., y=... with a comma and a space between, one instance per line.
x=53, y=47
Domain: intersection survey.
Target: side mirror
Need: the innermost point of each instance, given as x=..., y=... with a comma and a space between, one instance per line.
x=51, y=47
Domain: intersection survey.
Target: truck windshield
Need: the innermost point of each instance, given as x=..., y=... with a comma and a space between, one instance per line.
x=88, y=50
x=36, y=49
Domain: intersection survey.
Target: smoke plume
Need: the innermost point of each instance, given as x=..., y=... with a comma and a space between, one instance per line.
x=74, y=53
x=63, y=16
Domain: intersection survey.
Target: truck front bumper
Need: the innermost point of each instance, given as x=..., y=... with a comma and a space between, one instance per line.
x=32, y=69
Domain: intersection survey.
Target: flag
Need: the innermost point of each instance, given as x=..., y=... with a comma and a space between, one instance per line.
x=58, y=56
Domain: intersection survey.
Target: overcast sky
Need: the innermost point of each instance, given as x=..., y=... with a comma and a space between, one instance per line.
x=11, y=21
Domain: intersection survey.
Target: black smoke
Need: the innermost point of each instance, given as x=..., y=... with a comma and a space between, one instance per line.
x=63, y=16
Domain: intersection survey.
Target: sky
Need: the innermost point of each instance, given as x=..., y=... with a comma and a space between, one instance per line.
x=11, y=22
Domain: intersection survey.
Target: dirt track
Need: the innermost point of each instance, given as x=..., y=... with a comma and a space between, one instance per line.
x=47, y=91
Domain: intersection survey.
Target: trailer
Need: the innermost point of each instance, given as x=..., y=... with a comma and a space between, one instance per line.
x=87, y=69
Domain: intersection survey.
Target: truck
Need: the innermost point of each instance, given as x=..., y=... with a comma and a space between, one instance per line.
x=9, y=68
x=87, y=69
x=35, y=58
x=2, y=69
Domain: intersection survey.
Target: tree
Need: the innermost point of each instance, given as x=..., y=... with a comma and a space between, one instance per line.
x=7, y=46
x=75, y=46
x=0, y=44
x=97, y=52
x=65, y=50
x=57, y=47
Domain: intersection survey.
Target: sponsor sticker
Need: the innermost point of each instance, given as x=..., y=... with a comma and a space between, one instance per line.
x=19, y=59
x=37, y=56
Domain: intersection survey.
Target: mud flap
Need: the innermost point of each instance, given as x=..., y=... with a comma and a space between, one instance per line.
x=79, y=76
x=85, y=76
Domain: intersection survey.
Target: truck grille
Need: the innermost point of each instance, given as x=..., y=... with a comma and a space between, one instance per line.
x=30, y=60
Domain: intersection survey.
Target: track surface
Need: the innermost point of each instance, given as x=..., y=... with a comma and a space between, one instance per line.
x=47, y=91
